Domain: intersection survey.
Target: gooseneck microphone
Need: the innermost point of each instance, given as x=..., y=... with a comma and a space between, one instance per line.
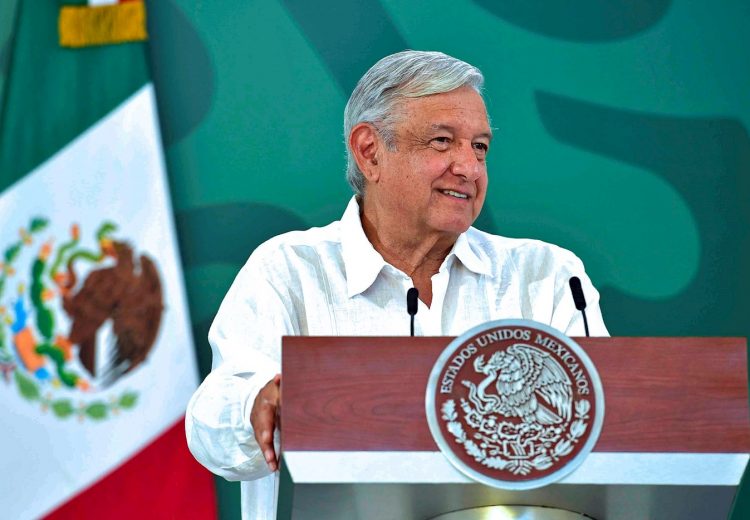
x=579, y=299
x=412, y=296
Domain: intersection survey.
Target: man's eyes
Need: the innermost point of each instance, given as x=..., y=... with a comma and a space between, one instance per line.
x=442, y=143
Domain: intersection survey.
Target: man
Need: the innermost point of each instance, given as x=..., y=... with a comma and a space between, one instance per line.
x=417, y=136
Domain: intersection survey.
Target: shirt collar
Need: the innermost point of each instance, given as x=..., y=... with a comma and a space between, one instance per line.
x=363, y=263
x=479, y=264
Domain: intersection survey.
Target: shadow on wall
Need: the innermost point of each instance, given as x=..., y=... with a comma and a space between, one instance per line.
x=581, y=21
x=706, y=160
x=177, y=56
x=227, y=234
x=363, y=28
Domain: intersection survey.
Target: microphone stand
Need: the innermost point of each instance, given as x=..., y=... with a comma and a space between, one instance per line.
x=412, y=305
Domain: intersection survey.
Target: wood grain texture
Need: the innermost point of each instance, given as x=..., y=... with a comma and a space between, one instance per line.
x=661, y=394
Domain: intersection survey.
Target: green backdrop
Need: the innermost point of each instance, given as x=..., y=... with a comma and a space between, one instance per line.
x=622, y=134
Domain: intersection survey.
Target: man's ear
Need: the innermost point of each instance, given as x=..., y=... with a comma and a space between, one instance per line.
x=364, y=142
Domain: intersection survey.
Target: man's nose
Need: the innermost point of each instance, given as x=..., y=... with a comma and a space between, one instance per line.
x=465, y=162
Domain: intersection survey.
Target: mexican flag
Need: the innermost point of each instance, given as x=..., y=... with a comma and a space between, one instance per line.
x=96, y=354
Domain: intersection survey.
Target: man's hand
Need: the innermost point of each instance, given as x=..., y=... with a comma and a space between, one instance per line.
x=266, y=417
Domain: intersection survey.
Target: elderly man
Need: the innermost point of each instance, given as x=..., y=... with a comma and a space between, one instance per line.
x=418, y=136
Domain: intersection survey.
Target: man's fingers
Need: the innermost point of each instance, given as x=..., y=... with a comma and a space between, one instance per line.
x=264, y=420
x=265, y=439
x=271, y=460
x=277, y=380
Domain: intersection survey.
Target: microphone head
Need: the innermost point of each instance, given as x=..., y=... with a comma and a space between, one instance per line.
x=412, y=295
x=577, y=290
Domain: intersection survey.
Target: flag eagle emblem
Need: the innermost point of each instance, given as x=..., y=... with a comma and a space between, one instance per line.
x=76, y=317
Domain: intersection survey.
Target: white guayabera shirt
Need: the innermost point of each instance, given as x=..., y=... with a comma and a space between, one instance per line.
x=330, y=281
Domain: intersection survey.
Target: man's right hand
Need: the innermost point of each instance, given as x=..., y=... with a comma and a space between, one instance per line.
x=265, y=417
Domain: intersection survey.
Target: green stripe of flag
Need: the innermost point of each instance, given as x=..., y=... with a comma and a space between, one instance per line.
x=52, y=94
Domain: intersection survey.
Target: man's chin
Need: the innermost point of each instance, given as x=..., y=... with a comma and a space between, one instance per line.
x=456, y=228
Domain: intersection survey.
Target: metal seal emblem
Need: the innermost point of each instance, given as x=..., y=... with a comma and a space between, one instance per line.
x=514, y=404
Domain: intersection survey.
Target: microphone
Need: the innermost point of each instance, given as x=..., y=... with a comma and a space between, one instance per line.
x=579, y=299
x=412, y=295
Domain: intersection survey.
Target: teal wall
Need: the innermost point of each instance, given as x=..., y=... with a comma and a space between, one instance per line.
x=622, y=134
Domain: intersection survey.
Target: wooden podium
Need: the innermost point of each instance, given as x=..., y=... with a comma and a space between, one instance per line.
x=356, y=444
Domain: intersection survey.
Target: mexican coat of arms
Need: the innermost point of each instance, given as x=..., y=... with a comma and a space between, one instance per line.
x=515, y=404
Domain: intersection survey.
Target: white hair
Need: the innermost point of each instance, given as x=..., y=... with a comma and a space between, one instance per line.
x=406, y=74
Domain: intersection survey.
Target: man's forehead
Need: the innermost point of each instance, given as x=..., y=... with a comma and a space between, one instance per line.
x=458, y=110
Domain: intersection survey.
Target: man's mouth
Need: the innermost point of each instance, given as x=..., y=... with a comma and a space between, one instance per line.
x=456, y=194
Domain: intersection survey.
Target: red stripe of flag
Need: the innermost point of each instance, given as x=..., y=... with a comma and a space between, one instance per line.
x=163, y=480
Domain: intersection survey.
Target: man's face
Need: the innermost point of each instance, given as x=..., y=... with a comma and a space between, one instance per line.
x=436, y=179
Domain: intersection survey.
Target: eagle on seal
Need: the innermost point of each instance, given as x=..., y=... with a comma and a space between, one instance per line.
x=527, y=382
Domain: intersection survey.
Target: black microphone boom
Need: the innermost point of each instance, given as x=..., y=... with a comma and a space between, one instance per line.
x=579, y=299
x=412, y=305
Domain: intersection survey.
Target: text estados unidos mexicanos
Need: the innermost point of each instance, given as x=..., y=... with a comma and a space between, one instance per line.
x=458, y=361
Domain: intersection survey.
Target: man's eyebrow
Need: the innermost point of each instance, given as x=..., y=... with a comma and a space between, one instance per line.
x=437, y=127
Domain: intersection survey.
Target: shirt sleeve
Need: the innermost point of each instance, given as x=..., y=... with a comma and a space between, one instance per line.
x=245, y=340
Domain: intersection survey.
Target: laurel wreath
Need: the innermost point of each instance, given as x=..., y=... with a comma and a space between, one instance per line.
x=64, y=408
x=518, y=466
